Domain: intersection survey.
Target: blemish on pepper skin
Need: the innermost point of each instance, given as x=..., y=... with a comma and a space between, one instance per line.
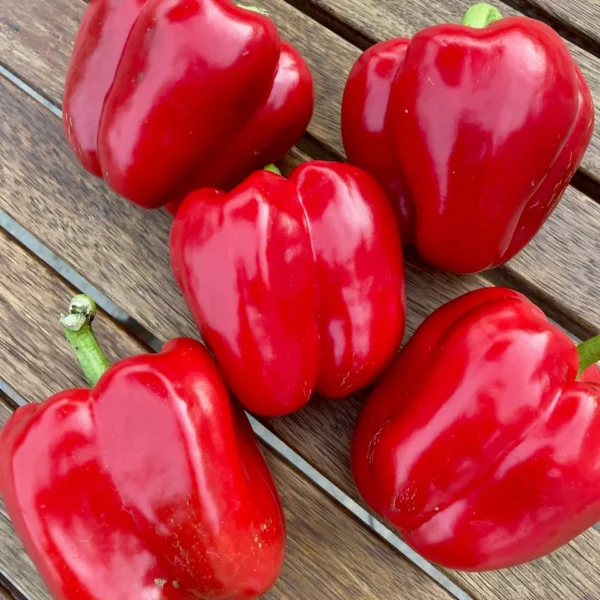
x=160, y=583
x=176, y=584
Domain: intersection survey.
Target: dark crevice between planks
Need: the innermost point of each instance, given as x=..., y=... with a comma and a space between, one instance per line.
x=556, y=312
x=566, y=30
x=7, y=586
x=586, y=184
x=29, y=88
x=10, y=397
x=315, y=149
x=344, y=30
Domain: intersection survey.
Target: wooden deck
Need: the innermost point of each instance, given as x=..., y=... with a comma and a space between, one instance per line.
x=62, y=230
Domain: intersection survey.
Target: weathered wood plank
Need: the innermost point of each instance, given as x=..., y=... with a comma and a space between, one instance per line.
x=581, y=17
x=36, y=362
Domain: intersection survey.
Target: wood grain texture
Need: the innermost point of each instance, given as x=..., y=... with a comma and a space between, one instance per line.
x=318, y=563
x=581, y=17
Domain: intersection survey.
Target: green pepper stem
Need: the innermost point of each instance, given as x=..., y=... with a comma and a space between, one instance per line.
x=77, y=326
x=589, y=354
x=256, y=9
x=272, y=169
x=481, y=15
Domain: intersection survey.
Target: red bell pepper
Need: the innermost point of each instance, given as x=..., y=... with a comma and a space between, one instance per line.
x=150, y=485
x=475, y=131
x=165, y=96
x=482, y=444
x=296, y=285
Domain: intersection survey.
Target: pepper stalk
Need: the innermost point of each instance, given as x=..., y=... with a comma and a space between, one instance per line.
x=481, y=15
x=272, y=169
x=256, y=9
x=77, y=325
x=589, y=354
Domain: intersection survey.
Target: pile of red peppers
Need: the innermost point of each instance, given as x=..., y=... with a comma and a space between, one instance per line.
x=480, y=440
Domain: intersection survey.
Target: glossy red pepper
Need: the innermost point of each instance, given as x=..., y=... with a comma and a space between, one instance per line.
x=149, y=486
x=474, y=131
x=296, y=285
x=165, y=96
x=482, y=443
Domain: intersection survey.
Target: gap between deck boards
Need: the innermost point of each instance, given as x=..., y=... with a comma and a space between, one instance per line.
x=8, y=590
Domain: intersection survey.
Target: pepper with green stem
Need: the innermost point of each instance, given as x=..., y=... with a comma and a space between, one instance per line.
x=150, y=484
x=474, y=129
x=482, y=444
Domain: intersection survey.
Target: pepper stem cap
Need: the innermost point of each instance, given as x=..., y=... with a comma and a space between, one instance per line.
x=272, y=169
x=481, y=15
x=77, y=325
x=589, y=354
